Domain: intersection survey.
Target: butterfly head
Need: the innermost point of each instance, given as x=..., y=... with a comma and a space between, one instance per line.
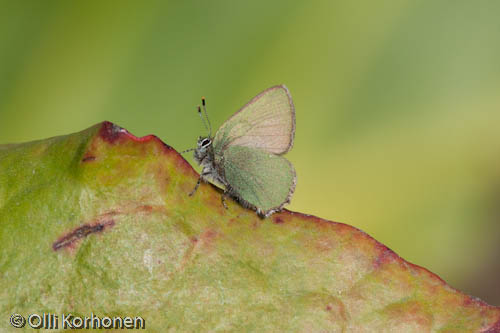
x=203, y=148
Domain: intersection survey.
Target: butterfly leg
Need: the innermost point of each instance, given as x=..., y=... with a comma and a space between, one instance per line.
x=223, y=199
x=202, y=178
x=196, y=186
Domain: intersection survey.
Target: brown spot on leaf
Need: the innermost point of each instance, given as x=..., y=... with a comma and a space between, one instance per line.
x=88, y=158
x=76, y=234
x=209, y=235
x=207, y=240
x=334, y=307
x=337, y=309
x=146, y=208
x=278, y=220
x=149, y=209
x=110, y=132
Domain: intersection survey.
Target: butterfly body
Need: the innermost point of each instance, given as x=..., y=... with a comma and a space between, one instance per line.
x=245, y=153
x=204, y=156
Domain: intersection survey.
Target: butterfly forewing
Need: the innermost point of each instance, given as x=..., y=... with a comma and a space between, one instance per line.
x=261, y=179
x=267, y=122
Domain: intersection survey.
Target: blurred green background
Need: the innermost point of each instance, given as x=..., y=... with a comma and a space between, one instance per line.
x=398, y=102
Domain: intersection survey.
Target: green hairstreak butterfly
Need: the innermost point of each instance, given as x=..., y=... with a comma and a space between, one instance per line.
x=245, y=153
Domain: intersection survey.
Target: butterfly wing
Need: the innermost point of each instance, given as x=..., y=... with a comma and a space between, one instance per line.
x=259, y=178
x=267, y=122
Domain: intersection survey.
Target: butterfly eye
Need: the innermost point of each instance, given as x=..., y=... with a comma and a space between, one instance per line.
x=205, y=142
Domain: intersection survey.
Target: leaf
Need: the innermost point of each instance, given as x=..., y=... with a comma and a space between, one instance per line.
x=100, y=222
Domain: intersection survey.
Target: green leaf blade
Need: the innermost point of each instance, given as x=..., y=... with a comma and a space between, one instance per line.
x=133, y=243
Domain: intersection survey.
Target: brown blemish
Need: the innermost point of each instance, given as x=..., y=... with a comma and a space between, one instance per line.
x=149, y=209
x=110, y=132
x=88, y=158
x=337, y=308
x=204, y=241
x=189, y=252
x=278, y=220
x=332, y=305
x=73, y=236
x=209, y=235
x=146, y=208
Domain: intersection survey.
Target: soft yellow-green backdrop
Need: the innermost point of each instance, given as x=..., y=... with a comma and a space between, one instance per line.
x=398, y=102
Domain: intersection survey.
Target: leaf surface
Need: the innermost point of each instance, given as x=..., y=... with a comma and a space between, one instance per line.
x=100, y=222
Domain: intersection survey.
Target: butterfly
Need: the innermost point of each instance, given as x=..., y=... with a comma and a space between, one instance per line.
x=245, y=153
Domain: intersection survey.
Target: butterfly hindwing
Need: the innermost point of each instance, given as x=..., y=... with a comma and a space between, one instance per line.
x=262, y=179
x=267, y=122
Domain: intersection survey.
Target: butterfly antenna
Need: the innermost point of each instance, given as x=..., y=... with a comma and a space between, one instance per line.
x=187, y=150
x=206, y=116
x=203, y=119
